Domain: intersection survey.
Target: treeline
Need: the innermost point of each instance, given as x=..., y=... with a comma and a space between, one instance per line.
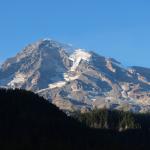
x=113, y=119
x=29, y=122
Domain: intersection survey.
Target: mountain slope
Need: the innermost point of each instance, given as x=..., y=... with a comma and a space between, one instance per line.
x=75, y=79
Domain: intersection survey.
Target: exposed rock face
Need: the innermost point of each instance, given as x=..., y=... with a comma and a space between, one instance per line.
x=77, y=79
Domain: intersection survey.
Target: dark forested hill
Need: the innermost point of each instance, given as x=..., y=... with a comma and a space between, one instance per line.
x=28, y=121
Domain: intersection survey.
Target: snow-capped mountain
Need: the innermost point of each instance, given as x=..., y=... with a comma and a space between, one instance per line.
x=75, y=79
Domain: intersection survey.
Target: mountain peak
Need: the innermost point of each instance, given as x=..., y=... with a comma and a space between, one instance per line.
x=76, y=79
x=47, y=45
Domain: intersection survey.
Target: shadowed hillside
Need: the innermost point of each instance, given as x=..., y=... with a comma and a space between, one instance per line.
x=28, y=121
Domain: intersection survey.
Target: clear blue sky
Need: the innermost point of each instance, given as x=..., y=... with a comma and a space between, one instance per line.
x=116, y=28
